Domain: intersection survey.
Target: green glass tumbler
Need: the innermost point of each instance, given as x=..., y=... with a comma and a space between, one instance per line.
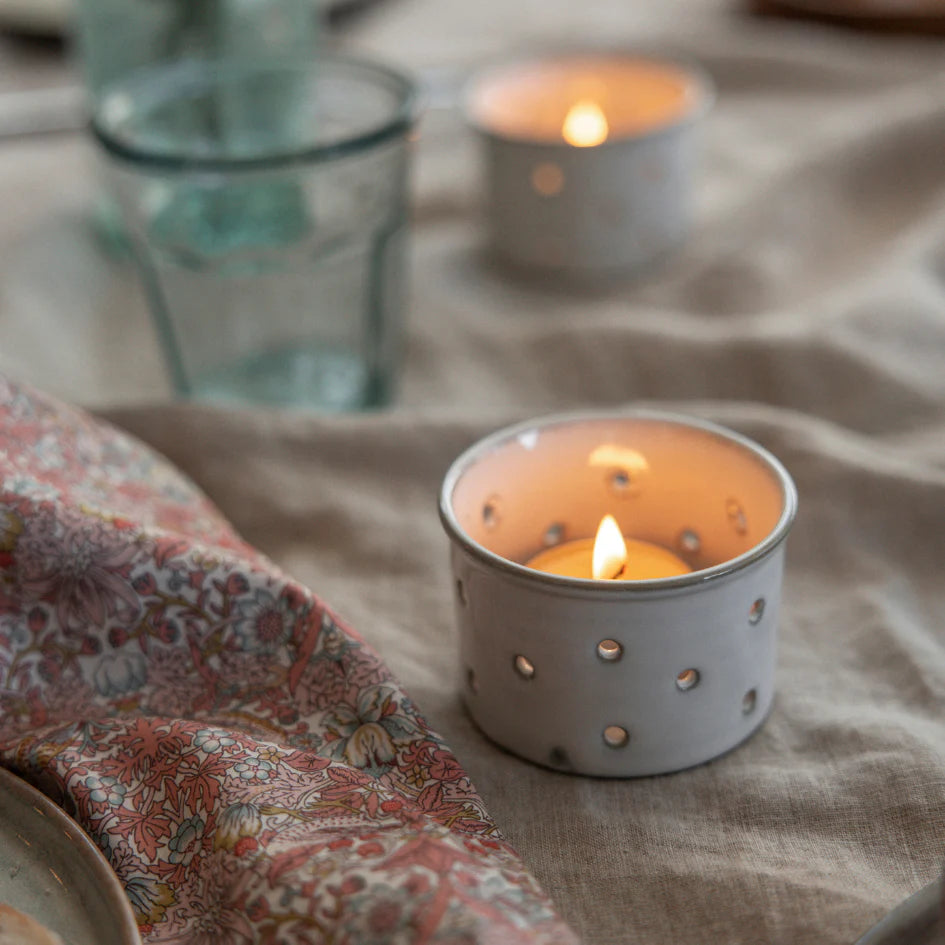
x=272, y=251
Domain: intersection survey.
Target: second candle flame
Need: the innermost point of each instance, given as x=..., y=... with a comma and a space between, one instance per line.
x=610, y=550
x=585, y=125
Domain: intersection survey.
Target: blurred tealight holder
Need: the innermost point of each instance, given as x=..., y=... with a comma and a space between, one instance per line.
x=590, y=158
x=647, y=649
x=266, y=204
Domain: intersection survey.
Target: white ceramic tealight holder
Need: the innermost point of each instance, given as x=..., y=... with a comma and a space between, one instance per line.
x=589, y=158
x=618, y=677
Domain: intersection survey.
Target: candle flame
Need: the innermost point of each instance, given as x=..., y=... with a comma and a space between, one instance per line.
x=610, y=550
x=585, y=125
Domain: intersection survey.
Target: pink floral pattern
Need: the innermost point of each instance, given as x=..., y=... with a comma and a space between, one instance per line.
x=245, y=760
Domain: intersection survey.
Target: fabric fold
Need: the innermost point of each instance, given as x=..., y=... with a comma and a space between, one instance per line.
x=244, y=759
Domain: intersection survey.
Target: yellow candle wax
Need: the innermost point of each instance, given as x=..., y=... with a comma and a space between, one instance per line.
x=645, y=561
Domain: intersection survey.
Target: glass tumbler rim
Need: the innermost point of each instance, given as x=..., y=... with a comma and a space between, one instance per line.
x=401, y=119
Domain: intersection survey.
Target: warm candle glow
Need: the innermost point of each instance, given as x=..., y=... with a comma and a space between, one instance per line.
x=585, y=125
x=610, y=550
x=609, y=557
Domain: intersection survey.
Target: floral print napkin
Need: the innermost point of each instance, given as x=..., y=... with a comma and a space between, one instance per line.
x=243, y=758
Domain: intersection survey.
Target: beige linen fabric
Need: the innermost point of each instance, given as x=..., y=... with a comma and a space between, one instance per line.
x=810, y=831
x=808, y=311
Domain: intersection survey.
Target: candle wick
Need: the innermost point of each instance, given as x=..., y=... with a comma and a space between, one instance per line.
x=623, y=568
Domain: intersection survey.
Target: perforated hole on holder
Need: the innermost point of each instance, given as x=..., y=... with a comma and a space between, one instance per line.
x=461, y=592
x=558, y=758
x=547, y=179
x=471, y=681
x=609, y=651
x=756, y=611
x=689, y=541
x=616, y=736
x=749, y=701
x=553, y=534
x=620, y=481
x=490, y=512
x=524, y=667
x=687, y=679
x=736, y=515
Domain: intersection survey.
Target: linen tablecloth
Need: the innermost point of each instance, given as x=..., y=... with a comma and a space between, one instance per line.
x=807, y=311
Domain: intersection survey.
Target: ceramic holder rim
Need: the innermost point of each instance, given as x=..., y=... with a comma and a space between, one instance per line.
x=701, y=80
x=696, y=578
